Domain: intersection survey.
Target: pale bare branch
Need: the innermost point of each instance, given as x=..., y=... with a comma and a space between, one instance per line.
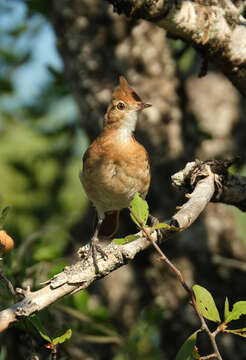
x=229, y=189
x=80, y=275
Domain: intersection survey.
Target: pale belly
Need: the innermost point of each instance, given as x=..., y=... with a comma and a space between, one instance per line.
x=112, y=186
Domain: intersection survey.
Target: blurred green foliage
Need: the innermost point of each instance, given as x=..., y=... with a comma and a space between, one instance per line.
x=40, y=150
x=144, y=339
x=40, y=153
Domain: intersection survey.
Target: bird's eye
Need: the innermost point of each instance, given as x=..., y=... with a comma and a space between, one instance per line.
x=120, y=106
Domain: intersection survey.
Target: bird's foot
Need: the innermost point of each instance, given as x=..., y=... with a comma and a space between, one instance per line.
x=93, y=249
x=155, y=221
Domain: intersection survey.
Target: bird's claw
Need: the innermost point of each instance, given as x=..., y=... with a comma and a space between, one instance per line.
x=92, y=250
x=154, y=221
x=96, y=248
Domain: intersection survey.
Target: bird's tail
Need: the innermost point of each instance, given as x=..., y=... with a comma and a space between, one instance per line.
x=109, y=225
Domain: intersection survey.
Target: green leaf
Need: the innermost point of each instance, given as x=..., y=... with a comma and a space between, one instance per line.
x=140, y=208
x=206, y=304
x=64, y=337
x=45, y=336
x=127, y=239
x=226, y=309
x=187, y=348
x=3, y=215
x=239, y=332
x=40, y=328
x=165, y=226
x=239, y=308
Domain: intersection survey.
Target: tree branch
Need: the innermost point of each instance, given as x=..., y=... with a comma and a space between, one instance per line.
x=8, y=284
x=230, y=189
x=72, y=279
x=80, y=275
x=218, y=31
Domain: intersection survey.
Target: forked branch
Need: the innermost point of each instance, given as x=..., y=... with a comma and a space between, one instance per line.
x=80, y=275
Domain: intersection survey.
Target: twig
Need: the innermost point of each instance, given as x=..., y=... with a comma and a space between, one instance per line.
x=8, y=284
x=54, y=353
x=100, y=339
x=206, y=329
x=229, y=263
x=163, y=256
x=185, y=286
x=211, y=356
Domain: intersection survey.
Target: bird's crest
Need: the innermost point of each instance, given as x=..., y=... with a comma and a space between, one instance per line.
x=125, y=93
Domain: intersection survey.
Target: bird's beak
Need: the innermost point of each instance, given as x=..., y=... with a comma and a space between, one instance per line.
x=144, y=106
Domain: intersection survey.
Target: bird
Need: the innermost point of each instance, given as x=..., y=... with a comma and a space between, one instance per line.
x=115, y=166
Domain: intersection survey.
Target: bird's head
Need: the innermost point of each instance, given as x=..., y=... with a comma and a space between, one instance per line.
x=124, y=107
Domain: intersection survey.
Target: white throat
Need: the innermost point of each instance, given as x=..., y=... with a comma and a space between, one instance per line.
x=127, y=127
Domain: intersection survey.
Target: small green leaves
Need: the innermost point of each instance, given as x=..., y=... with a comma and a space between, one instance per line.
x=165, y=226
x=62, y=338
x=3, y=216
x=40, y=328
x=43, y=333
x=226, y=309
x=127, y=239
x=239, y=308
x=208, y=309
x=206, y=304
x=45, y=336
x=187, y=348
x=140, y=208
x=239, y=332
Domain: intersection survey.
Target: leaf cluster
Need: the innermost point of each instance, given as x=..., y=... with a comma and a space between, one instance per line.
x=139, y=212
x=209, y=311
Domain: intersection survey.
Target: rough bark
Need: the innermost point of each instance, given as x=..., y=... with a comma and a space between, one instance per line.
x=215, y=28
x=231, y=188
